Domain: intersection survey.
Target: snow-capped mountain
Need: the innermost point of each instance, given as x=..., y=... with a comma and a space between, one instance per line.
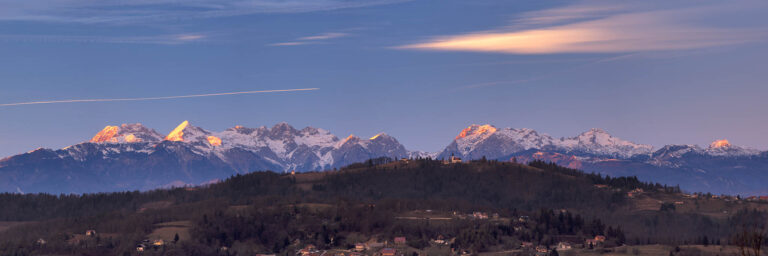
x=718, y=168
x=283, y=145
x=131, y=156
x=126, y=133
x=676, y=155
x=724, y=148
x=477, y=141
x=601, y=143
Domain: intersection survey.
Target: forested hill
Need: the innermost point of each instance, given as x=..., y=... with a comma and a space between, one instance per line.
x=269, y=212
x=480, y=183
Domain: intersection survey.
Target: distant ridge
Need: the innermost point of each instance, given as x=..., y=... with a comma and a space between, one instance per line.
x=132, y=156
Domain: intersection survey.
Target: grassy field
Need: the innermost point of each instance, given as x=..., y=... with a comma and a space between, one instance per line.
x=168, y=230
x=654, y=250
x=5, y=225
x=712, y=207
x=155, y=205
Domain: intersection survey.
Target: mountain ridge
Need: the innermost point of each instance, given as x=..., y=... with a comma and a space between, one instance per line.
x=132, y=156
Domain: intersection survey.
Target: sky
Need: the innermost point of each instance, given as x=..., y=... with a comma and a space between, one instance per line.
x=652, y=72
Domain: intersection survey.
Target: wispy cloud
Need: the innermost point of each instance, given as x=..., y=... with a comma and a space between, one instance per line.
x=590, y=28
x=152, y=98
x=138, y=11
x=325, y=36
x=311, y=39
x=172, y=39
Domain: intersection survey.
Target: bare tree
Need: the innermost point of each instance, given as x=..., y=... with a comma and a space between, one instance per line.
x=751, y=240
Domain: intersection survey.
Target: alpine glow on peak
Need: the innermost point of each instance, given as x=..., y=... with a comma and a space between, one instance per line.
x=178, y=133
x=476, y=130
x=720, y=144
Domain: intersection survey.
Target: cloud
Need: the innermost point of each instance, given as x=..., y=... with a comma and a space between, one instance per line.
x=152, y=98
x=172, y=39
x=325, y=36
x=311, y=39
x=597, y=29
x=289, y=43
x=140, y=11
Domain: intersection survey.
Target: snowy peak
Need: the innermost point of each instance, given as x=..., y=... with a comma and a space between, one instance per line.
x=188, y=133
x=126, y=133
x=720, y=144
x=675, y=151
x=486, y=140
x=351, y=139
x=598, y=141
x=245, y=130
x=725, y=148
x=476, y=131
x=282, y=130
x=178, y=133
x=381, y=137
x=526, y=138
x=721, y=148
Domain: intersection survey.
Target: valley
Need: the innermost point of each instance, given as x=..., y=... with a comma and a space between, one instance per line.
x=421, y=206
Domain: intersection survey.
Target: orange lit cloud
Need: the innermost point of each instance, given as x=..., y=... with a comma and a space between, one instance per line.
x=595, y=30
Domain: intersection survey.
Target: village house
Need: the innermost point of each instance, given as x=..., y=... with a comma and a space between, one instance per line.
x=480, y=215
x=158, y=242
x=634, y=192
x=308, y=250
x=439, y=240
x=400, y=240
x=564, y=246
x=541, y=249
x=388, y=252
x=41, y=242
x=90, y=232
x=359, y=247
x=452, y=160
x=140, y=248
x=526, y=244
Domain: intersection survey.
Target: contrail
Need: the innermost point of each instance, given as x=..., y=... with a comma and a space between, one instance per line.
x=153, y=98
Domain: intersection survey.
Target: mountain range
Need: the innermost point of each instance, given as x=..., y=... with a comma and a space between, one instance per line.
x=134, y=157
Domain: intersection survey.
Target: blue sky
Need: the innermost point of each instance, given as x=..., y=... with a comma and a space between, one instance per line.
x=654, y=72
